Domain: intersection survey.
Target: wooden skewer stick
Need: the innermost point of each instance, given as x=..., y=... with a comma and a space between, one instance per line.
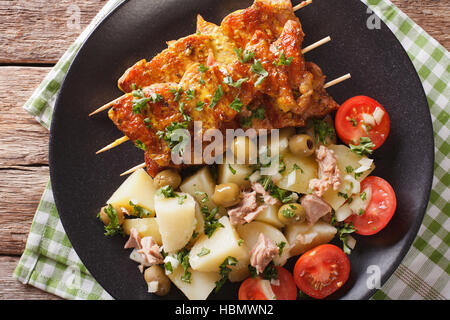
x=338, y=80
x=317, y=44
x=106, y=106
x=302, y=5
x=113, y=144
x=139, y=166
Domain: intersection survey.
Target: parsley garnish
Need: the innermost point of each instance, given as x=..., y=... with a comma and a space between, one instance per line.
x=283, y=61
x=322, y=130
x=190, y=94
x=240, y=242
x=186, y=117
x=211, y=223
x=363, y=195
x=233, y=171
x=296, y=167
x=236, y=105
x=199, y=106
x=284, y=196
x=365, y=146
x=281, y=246
x=202, y=68
x=139, y=104
x=343, y=232
x=244, y=57
x=269, y=273
x=177, y=92
x=140, y=212
x=168, y=266
x=204, y=252
x=169, y=132
x=229, y=81
x=354, y=122
x=258, y=69
x=183, y=258
x=167, y=192
x=114, y=226
x=349, y=169
x=217, y=95
x=225, y=271
x=202, y=194
x=138, y=143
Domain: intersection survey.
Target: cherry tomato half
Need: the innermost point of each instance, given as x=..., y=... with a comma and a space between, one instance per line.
x=321, y=271
x=380, y=209
x=356, y=117
x=258, y=289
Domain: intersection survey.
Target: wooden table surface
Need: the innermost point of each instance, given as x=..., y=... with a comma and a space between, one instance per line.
x=33, y=35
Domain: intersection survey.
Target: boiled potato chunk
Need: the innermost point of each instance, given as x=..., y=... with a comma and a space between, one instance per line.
x=200, y=182
x=202, y=283
x=176, y=221
x=270, y=216
x=238, y=174
x=250, y=233
x=146, y=227
x=299, y=171
x=240, y=271
x=138, y=188
x=345, y=158
x=303, y=236
x=223, y=243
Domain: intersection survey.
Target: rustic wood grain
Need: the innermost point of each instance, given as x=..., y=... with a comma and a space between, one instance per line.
x=36, y=33
x=14, y=290
x=39, y=31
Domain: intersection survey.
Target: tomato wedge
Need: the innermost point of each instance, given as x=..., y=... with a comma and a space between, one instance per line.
x=380, y=209
x=287, y=289
x=361, y=115
x=321, y=271
x=259, y=289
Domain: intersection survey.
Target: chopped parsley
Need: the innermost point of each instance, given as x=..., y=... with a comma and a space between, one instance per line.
x=245, y=56
x=354, y=122
x=204, y=252
x=365, y=146
x=199, y=106
x=343, y=233
x=281, y=246
x=343, y=195
x=139, y=211
x=190, y=94
x=138, y=143
x=167, y=192
x=258, y=113
x=170, y=131
x=236, y=105
x=177, y=93
x=283, y=61
x=363, y=196
x=323, y=130
x=168, y=266
x=114, y=226
x=183, y=258
x=240, y=242
x=139, y=104
x=295, y=167
x=283, y=195
x=349, y=169
x=202, y=68
x=217, y=95
x=186, y=117
x=259, y=70
x=233, y=171
x=229, y=81
x=181, y=199
x=202, y=194
x=211, y=223
x=225, y=271
x=269, y=273
x=155, y=97
x=201, y=81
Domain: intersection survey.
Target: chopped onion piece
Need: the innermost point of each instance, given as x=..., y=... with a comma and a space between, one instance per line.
x=255, y=177
x=365, y=163
x=354, y=184
x=267, y=290
x=351, y=242
x=368, y=119
x=343, y=213
x=378, y=115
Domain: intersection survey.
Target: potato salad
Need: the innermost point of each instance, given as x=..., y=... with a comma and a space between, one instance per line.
x=203, y=226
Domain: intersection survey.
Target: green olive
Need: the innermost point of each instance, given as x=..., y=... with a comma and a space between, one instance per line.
x=226, y=195
x=302, y=145
x=156, y=273
x=105, y=219
x=167, y=177
x=245, y=150
x=291, y=212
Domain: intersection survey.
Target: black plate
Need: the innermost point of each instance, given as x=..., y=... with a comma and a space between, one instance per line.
x=83, y=181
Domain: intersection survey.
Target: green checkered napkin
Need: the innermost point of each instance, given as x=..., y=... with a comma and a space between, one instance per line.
x=50, y=263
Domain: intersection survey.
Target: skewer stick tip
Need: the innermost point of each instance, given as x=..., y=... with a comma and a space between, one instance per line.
x=302, y=5
x=337, y=81
x=139, y=166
